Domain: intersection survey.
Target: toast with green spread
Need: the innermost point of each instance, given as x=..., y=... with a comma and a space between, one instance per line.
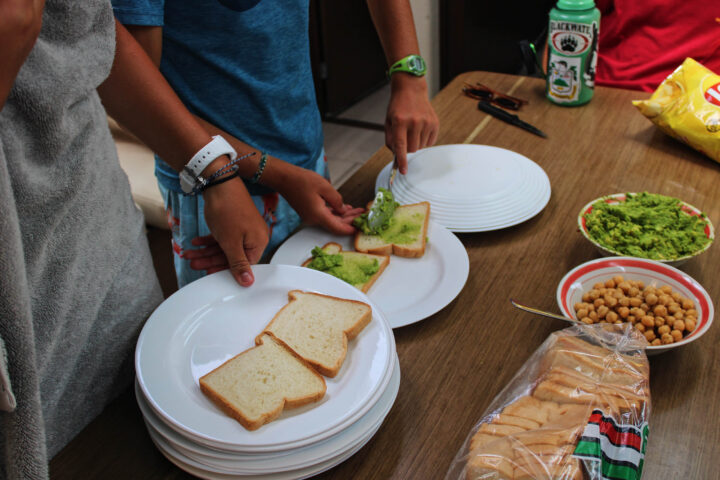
x=358, y=269
x=405, y=235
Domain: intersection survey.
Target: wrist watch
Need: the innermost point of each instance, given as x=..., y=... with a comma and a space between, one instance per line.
x=412, y=64
x=190, y=175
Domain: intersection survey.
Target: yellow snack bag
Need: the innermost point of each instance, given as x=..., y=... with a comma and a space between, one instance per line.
x=686, y=106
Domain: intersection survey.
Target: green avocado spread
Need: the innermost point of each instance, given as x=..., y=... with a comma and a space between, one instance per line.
x=354, y=270
x=647, y=225
x=400, y=229
x=387, y=206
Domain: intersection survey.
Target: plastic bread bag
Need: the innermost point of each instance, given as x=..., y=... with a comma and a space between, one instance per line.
x=577, y=409
x=686, y=106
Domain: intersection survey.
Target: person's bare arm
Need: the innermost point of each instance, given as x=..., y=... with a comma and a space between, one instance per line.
x=138, y=97
x=411, y=122
x=20, y=23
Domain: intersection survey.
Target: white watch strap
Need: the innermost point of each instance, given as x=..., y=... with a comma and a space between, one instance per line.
x=217, y=147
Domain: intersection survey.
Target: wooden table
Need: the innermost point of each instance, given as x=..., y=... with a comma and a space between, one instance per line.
x=456, y=361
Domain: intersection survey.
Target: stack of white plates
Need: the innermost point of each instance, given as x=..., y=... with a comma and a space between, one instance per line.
x=472, y=188
x=213, y=319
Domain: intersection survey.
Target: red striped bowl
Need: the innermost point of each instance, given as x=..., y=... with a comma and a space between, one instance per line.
x=620, y=197
x=582, y=278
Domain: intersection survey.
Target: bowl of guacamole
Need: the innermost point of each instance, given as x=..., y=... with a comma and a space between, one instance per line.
x=646, y=225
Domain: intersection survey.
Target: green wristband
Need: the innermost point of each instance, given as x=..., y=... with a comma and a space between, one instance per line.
x=412, y=64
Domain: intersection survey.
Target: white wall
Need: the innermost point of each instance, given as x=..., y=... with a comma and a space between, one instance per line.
x=427, y=24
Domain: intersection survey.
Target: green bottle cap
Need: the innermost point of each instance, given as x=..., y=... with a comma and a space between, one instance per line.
x=575, y=4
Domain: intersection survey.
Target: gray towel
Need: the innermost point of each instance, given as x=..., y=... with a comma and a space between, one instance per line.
x=76, y=278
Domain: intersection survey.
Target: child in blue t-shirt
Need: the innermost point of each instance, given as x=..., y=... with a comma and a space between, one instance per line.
x=246, y=75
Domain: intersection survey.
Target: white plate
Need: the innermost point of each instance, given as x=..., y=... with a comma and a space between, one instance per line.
x=460, y=173
x=195, y=469
x=410, y=289
x=487, y=170
x=278, y=461
x=213, y=319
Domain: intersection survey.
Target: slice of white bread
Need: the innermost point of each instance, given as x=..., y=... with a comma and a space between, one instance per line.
x=255, y=386
x=350, y=257
x=317, y=328
x=415, y=213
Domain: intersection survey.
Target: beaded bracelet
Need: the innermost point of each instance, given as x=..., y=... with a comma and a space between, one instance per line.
x=261, y=168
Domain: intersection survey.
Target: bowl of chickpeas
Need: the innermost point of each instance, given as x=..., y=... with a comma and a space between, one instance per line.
x=665, y=304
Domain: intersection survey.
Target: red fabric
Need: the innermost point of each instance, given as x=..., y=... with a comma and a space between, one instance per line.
x=643, y=41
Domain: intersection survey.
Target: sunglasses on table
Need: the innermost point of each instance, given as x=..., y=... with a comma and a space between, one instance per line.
x=482, y=92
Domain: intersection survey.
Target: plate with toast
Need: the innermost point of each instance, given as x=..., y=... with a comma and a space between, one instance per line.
x=407, y=289
x=291, y=362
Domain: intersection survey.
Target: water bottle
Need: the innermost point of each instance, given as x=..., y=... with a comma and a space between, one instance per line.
x=572, y=52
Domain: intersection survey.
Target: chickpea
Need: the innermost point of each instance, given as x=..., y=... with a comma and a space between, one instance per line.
x=634, y=292
x=649, y=290
x=645, y=307
x=667, y=339
x=602, y=311
x=656, y=342
x=659, y=321
x=640, y=284
x=687, y=304
x=599, y=302
x=582, y=313
x=670, y=321
x=660, y=310
x=578, y=306
x=631, y=319
x=649, y=335
x=594, y=295
x=640, y=326
x=679, y=325
x=651, y=299
x=648, y=321
x=610, y=283
x=611, y=301
x=586, y=297
x=676, y=296
x=590, y=307
x=593, y=316
x=677, y=335
x=623, y=311
x=691, y=312
x=690, y=319
x=638, y=312
x=666, y=289
x=612, y=317
x=679, y=315
x=663, y=330
x=689, y=325
x=664, y=299
x=624, y=286
x=598, y=285
x=635, y=302
x=618, y=294
x=602, y=292
x=673, y=308
x=618, y=322
x=587, y=320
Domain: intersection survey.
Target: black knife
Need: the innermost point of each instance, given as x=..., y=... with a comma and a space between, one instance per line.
x=509, y=118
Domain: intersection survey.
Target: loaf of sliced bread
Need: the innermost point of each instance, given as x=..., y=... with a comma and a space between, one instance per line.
x=255, y=386
x=317, y=328
x=353, y=262
x=406, y=235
